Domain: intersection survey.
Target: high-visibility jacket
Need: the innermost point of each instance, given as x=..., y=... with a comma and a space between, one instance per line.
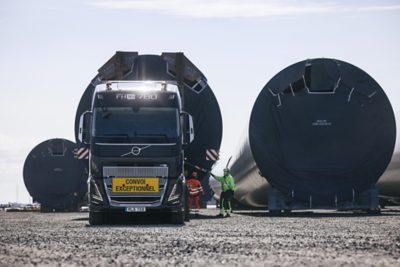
x=195, y=187
x=227, y=182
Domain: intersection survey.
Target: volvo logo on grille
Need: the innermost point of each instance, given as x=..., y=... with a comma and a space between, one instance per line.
x=135, y=151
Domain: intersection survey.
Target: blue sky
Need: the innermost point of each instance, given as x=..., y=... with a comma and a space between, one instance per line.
x=50, y=50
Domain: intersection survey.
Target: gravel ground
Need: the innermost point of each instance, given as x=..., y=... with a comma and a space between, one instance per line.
x=245, y=239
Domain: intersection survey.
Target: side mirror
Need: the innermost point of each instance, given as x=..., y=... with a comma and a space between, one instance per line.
x=84, y=127
x=187, y=128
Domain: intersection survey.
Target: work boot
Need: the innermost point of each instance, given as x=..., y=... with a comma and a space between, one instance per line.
x=220, y=215
x=227, y=215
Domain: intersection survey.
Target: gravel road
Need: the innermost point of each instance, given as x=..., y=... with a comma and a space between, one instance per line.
x=245, y=239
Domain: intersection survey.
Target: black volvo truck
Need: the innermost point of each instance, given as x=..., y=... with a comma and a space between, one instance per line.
x=136, y=131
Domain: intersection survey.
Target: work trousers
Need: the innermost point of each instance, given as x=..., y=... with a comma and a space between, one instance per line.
x=194, y=199
x=225, y=202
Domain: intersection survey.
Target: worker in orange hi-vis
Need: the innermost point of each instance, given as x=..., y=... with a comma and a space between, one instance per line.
x=195, y=189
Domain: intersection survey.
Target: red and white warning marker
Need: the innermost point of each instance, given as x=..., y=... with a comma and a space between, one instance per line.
x=81, y=153
x=212, y=154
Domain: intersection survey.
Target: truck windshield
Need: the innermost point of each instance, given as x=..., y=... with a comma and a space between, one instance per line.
x=130, y=124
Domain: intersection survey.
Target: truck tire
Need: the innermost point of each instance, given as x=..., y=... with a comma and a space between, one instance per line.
x=178, y=217
x=97, y=218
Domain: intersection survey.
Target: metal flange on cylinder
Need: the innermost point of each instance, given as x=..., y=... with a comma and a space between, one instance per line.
x=321, y=133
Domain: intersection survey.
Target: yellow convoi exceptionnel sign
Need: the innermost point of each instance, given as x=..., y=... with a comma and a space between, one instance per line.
x=135, y=185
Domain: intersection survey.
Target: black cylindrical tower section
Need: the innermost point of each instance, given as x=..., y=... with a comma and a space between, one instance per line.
x=199, y=100
x=321, y=129
x=54, y=176
x=251, y=187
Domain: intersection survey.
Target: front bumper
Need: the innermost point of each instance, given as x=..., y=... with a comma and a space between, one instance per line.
x=169, y=199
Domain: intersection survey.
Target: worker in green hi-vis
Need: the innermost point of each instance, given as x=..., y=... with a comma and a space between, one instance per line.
x=227, y=187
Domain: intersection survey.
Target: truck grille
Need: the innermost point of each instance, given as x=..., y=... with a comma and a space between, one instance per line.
x=156, y=171
x=136, y=199
x=144, y=199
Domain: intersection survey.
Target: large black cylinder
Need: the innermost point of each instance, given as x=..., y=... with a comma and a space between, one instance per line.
x=54, y=176
x=321, y=129
x=198, y=98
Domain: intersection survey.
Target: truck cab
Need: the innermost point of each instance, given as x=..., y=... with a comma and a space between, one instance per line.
x=137, y=132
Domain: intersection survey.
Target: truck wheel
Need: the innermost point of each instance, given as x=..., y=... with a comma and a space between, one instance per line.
x=178, y=217
x=97, y=218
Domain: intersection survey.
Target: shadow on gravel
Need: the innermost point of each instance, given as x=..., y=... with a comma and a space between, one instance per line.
x=131, y=220
x=144, y=220
x=81, y=219
x=311, y=214
x=204, y=217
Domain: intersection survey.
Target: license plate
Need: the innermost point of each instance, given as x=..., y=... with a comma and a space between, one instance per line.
x=135, y=185
x=135, y=209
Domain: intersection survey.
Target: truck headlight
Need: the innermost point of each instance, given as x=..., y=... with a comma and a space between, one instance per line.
x=95, y=193
x=175, y=193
